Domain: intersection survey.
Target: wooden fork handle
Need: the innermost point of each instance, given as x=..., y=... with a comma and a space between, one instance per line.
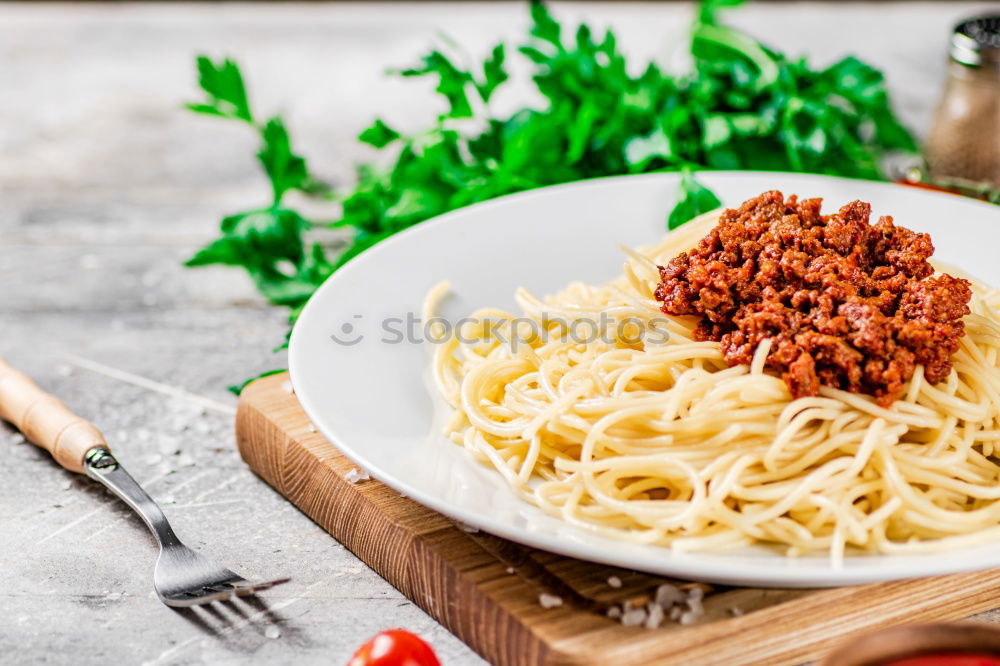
x=45, y=420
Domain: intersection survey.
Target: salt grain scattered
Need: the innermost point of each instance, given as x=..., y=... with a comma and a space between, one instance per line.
x=17, y=438
x=549, y=600
x=272, y=631
x=510, y=570
x=654, y=616
x=357, y=476
x=614, y=612
x=633, y=617
x=467, y=528
x=736, y=611
x=311, y=427
x=287, y=387
x=667, y=595
x=615, y=582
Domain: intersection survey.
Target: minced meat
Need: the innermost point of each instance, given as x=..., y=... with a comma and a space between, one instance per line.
x=846, y=303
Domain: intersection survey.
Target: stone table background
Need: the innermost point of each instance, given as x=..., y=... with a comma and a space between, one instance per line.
x=106, y=186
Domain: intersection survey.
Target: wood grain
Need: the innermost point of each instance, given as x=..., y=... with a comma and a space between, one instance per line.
x=463, y=579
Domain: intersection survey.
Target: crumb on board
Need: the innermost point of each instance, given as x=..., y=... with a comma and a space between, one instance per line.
x=633, y=617
x=357, y=476
x=614, y=581
x=669, y=603
x=549, y=600
x=654, y=615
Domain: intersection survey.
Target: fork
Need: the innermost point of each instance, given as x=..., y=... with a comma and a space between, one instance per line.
x=182, y=577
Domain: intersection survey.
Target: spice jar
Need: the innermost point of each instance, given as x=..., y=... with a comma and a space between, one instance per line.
x=965, y=139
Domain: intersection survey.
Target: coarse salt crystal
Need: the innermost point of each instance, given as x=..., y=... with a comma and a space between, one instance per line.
x=633, y=617
x=17, y=438
x=549, y=600
x=614, y=581
x=287, y=387
x=311, y=427
x=654, y=616
x=272, y=631
x=356, y=476
x=667, y=595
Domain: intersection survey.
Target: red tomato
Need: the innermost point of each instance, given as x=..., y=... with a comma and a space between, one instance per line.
x=395, y=647
x=956, y=659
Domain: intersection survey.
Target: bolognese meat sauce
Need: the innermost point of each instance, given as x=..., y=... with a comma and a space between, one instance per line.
x=846, y=304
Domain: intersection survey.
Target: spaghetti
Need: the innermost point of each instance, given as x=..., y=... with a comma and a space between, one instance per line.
x=647, y=435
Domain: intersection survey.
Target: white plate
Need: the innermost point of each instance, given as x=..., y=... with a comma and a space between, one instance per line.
x=372, y=401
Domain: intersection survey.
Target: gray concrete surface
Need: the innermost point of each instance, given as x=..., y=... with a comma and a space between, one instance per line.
x=106, y=185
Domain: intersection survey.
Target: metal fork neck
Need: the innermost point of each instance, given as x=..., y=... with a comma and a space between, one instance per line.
x=102, y=466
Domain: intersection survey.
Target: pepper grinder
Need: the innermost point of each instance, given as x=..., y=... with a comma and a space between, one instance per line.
x=964, y=142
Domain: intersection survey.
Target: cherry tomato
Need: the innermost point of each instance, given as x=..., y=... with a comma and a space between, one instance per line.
x=395, y=647
x=956, y=659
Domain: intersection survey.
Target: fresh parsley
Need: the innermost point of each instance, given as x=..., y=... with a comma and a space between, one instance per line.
x=743, y=105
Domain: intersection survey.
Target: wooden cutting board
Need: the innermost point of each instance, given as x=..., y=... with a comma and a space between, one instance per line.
x=486, y=590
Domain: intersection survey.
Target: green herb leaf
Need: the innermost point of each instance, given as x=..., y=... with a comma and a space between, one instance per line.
x=693, y=199
x=494, y=73
x=452, y=82
x=744, y=105
x=223, y=83
x=286, y=170
x=378, y=134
